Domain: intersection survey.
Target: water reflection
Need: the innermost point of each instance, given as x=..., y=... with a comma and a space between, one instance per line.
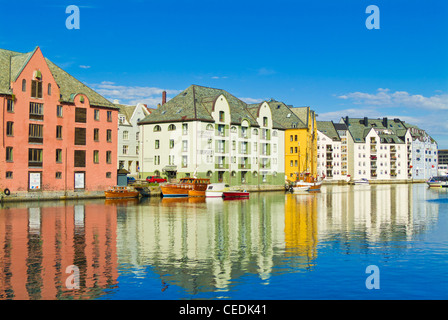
x=37, y=244
x=200, y=245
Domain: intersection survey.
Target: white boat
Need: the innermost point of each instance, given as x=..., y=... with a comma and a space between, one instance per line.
x=437, y=182
x=215, y=190
x=361, y=181
x=300, y=189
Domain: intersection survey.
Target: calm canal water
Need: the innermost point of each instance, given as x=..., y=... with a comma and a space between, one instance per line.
x=272, y=246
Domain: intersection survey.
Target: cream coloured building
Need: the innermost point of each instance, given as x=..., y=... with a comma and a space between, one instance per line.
x=207, y=132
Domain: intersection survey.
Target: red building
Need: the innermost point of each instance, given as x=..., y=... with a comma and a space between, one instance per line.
x=57, y=134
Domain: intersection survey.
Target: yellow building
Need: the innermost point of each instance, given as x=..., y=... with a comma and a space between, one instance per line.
x=300, y=137
x=301, y=144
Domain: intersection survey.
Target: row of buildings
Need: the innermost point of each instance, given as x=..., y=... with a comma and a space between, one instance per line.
x=60, y=135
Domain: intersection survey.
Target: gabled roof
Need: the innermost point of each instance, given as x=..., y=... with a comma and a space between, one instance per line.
x=284, y=117
x=12, y=63
x=328, y=128
x=196, y=103
x=359, y=128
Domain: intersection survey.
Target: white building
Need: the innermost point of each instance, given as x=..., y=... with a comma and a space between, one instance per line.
x=129, y=140
x=389, y=149
x=330, y=160
x=424, y=157
x=206, y=132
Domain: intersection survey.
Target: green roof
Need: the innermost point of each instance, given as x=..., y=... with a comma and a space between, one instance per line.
x=12, y=63
x=328, y=129
x=360, y=127
x=196, y=103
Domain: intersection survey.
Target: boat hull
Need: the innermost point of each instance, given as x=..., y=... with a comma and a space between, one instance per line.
x=121, y=195
x=174, y=191
x=196, y=193
x=235, y=194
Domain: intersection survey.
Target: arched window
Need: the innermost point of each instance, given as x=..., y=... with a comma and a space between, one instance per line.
x=171, y=127
x=157, y=128
x=209, y=174
x=210, y=127
x=255, y=132
x=233, y=129
x=23, y=85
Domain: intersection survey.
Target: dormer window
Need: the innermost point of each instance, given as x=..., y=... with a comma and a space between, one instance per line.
x=265, y=121
x=221, y=116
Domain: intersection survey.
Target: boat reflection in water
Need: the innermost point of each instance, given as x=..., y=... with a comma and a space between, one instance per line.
x=205, y=246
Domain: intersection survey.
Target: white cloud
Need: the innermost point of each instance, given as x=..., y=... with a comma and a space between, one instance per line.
x=251, y=100
x=265, y=71
x=386, y=98
x=132, y=94
x=84, y=67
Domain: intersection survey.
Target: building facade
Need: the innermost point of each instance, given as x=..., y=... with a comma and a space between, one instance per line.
x=129, y=140
x=209, y=133
x=388, y=149
x=331, y=161
x=58, y=134
x=300, y=141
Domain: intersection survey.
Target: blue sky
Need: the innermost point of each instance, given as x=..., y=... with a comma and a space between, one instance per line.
x=315, y=53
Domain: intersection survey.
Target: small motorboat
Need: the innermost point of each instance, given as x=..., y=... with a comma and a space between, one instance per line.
x=361, y=181
x=182, y=188
x=215, y=190
x=121, y=192
x=235, y=194
x=438, y=181
x=300, y=189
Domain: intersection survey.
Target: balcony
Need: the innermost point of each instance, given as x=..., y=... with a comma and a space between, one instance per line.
x=373, y=158
x=221, y=166
x=244, y=166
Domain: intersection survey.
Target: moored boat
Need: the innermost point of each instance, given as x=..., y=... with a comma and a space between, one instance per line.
x=437, y=181
x=196, y=193
x=306, y=183
x=182, y=188
x=121, y=192
x=361, y=181
x=235, y=194
x=215, y=190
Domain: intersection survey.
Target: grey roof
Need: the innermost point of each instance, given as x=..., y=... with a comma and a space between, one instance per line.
x=12, y=63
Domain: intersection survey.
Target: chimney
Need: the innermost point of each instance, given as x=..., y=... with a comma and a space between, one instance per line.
x=163, y=97
x=366, y=121
x=385, y=122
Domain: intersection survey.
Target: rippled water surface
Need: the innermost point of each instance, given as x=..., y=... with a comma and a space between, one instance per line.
x=272, y=246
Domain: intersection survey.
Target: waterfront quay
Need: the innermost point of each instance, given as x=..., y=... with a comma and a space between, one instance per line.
x=79, y=144
x=274, y=245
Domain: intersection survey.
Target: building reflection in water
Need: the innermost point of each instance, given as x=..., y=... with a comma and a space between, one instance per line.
x=37, y=244
x=201, y=245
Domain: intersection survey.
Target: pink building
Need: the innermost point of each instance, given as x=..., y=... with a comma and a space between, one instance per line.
x=57, y=134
